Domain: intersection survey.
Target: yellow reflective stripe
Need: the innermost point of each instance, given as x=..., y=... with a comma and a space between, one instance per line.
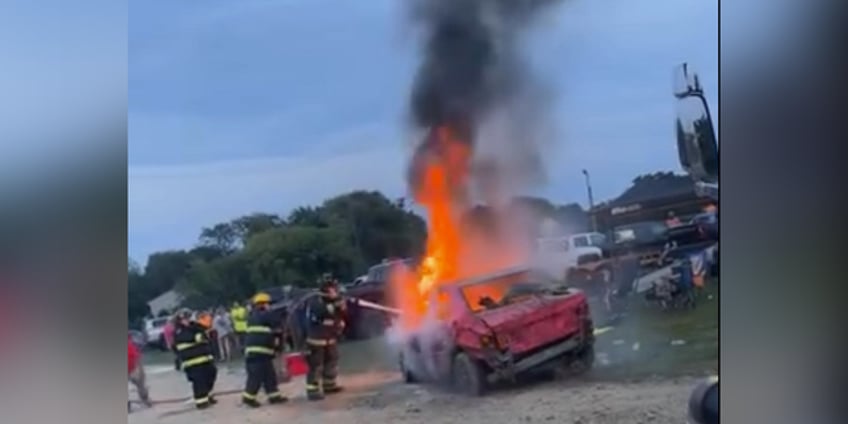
x=198, y=337
x=275, y=395
x=197, y=361
x=249, y=396
x=184, y=346
x=259, y=349
x=258, y=329
x=318, y=342
x=313, y=387
x=202, y=400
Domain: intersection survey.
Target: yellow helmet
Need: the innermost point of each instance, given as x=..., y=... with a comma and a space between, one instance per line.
x=261, y=298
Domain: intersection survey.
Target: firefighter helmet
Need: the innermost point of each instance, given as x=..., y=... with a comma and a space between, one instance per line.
x=261, y=297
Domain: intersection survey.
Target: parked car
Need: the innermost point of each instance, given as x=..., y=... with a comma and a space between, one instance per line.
x=364, y=323
x=645, y=239
x=562, y=257
x=498, y=326
x=154, y=332
x=708, y=223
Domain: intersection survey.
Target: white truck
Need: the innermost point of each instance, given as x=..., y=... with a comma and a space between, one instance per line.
x=563, y=256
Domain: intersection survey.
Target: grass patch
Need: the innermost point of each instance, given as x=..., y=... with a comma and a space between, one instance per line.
x=655, y=331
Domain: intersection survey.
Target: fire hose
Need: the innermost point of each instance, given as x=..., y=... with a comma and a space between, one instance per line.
x=294, y=330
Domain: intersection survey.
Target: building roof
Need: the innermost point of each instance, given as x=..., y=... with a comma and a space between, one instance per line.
x=654, y=186
x=167, y=301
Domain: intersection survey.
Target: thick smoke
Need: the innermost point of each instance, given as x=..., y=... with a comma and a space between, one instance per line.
x=474, y=80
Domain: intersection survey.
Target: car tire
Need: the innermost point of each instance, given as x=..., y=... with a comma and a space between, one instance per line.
x=467, y=376
x=408, y=376
x=581, y=361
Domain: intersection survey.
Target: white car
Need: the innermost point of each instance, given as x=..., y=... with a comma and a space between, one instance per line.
x=559, y=255
x=154, y=332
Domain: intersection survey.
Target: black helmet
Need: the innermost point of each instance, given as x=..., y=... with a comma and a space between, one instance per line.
x=327, y=282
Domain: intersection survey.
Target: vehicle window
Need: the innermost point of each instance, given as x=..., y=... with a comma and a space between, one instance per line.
x=581, y=241
x=624, y=235
x=598, y=239
x=489, y=294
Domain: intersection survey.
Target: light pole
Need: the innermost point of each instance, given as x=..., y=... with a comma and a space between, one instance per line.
x=591, y=200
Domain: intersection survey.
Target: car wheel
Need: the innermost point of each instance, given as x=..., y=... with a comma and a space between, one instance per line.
x=408, y=376
x=581, y=361
x=467, y=376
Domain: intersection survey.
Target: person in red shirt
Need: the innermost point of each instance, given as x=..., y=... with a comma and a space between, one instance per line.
x=136, y=373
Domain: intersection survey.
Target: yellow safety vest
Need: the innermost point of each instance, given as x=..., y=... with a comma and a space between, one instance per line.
x=239, y=317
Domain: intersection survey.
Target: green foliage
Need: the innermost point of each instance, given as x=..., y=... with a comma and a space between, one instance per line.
x=234, y=259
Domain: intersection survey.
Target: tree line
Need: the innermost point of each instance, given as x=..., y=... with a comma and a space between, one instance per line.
x=344, y=235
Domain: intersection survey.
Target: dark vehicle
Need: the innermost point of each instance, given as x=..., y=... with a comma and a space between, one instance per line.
x=707, y=222
x=644, y=239
x=497, y=327
x=364, y=323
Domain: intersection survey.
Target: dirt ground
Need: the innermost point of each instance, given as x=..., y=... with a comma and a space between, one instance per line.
x=380, y=396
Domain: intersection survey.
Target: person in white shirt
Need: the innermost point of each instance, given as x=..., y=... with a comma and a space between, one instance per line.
x=224, y=327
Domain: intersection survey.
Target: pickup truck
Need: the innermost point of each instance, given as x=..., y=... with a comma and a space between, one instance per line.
x=563, y=257
x=365, y=323
x=496, y=327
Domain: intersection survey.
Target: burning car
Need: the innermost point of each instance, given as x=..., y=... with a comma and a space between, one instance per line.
x=494, y=327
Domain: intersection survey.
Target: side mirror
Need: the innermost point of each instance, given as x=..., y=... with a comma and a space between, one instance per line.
x=703, y=403
x=697, y=144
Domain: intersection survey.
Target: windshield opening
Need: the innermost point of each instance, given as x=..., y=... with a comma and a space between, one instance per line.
x=498, y=292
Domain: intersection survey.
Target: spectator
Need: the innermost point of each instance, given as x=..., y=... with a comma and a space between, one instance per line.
x=135, y=372
x=224, y=327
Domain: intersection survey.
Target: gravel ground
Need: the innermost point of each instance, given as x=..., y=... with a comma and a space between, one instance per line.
x=381, y=397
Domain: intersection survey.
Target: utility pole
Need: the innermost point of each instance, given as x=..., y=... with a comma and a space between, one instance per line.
x=591, y=200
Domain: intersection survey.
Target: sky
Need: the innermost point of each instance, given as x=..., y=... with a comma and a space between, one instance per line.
x=265, y=105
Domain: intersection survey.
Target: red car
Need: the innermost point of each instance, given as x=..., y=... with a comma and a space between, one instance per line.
x=497, y=326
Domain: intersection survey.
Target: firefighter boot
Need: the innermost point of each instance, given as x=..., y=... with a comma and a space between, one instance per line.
x=314, y=392
x=249, y=400
x=333, y=388
x=277, y=399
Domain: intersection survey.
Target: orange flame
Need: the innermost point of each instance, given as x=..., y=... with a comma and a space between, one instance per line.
x=442, y=192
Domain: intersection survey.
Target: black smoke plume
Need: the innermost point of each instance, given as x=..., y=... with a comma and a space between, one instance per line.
x=470, y=64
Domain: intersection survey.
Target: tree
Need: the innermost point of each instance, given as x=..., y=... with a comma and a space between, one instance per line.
x=376, y=226
x=251, y=225
x=165, y=269
x=299, y=255
x=307, y=216
x=221, y=236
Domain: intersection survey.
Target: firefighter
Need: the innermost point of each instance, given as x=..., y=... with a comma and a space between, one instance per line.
x=195, y=354
x=325, y=322
x=261, y=340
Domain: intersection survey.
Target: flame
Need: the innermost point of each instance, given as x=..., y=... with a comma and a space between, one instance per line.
x=441, y=190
